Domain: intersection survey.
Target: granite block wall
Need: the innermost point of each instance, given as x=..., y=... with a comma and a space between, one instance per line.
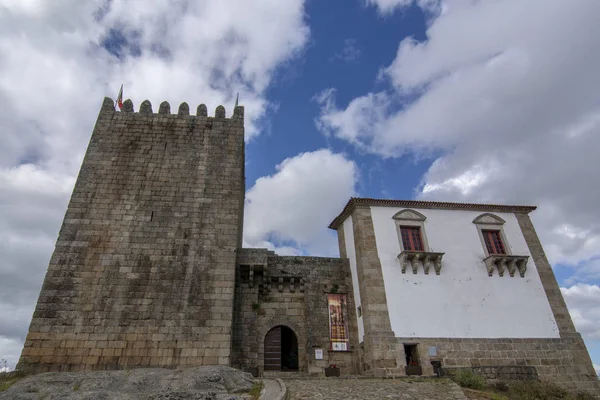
x=144, y=265
x=382, y=357
x=563, y=360
x=276, y=290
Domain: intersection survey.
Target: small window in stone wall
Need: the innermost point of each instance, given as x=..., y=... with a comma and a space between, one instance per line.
x=338, y=326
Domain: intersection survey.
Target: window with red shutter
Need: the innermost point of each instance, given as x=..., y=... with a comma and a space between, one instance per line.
x=411, y=238
x=493, y=242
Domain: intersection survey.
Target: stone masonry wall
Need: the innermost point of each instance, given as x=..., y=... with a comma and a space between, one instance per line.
x=143, y=269
x=563, y=360
x=382, y=357
x=300, y=305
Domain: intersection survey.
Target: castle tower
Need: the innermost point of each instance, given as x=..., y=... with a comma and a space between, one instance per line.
x=144, y=266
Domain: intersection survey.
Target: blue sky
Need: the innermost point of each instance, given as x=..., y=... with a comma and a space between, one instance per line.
x=458, y=100
x=370, y=43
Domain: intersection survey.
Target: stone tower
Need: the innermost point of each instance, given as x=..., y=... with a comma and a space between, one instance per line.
x=143, y=272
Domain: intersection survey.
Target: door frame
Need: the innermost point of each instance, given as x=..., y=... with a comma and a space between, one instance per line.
x=300, y=336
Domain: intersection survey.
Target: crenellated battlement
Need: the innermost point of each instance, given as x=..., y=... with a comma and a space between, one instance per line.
x=146, y=254
x=165, y=108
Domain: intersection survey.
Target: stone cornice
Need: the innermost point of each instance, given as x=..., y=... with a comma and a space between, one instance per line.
x=363, y=201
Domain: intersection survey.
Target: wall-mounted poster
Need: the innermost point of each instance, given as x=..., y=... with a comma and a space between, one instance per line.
x=318, y=354
x=338, y=326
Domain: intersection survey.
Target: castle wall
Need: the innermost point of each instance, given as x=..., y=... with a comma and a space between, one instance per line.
x=463, y=301
x=143, y=269
x=564, y=361
x=268, y=298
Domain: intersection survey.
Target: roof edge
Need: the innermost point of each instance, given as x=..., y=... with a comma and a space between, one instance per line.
x=440, y=205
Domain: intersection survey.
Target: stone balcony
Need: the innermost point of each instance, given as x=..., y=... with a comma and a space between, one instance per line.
x=425, y=258
x=503, y=262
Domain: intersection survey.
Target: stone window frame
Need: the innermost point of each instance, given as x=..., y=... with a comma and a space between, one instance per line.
x=411, y=218
x=487, y=222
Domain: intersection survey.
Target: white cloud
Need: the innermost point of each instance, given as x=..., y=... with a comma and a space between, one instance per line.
x=295, y=204
x=33, y=203
x=588, y=270
x=387, y=7
x=10, y=349
x=583, y=300
x=54, y=73
x=356, y=121
x=507, y=92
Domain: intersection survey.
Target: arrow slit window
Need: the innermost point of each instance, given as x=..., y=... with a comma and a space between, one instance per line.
x=338, y=322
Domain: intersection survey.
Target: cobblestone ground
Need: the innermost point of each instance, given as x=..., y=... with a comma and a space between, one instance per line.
x=371, y=389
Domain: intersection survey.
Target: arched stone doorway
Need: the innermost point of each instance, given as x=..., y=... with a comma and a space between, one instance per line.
x=281, y=349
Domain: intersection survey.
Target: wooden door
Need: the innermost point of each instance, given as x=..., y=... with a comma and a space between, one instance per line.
x=273, y=350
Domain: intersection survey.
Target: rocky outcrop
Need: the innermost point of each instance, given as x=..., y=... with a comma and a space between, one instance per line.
x=201, y=383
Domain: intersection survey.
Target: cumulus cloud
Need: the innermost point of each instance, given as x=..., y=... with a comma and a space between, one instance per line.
x=295, y=204
x=356, y=121
x=57, y=62
x=585, y=271
x=506, y=91
x=13, y=350
x=387, y=7
x=582, y=300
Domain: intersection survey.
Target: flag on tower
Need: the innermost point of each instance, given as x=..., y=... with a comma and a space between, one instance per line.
x=119, y=101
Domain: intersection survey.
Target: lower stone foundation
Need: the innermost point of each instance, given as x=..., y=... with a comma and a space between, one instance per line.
x=501, y=373
x=564, y=361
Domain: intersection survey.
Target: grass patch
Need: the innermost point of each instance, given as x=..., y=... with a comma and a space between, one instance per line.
x=534, y=390
x=468, y=379
x=473, y=394
x=256, y=389
x=7, y=379
x=524, y=390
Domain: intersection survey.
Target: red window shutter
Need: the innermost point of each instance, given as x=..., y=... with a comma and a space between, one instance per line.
x=493, y=242
x=411, y=238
